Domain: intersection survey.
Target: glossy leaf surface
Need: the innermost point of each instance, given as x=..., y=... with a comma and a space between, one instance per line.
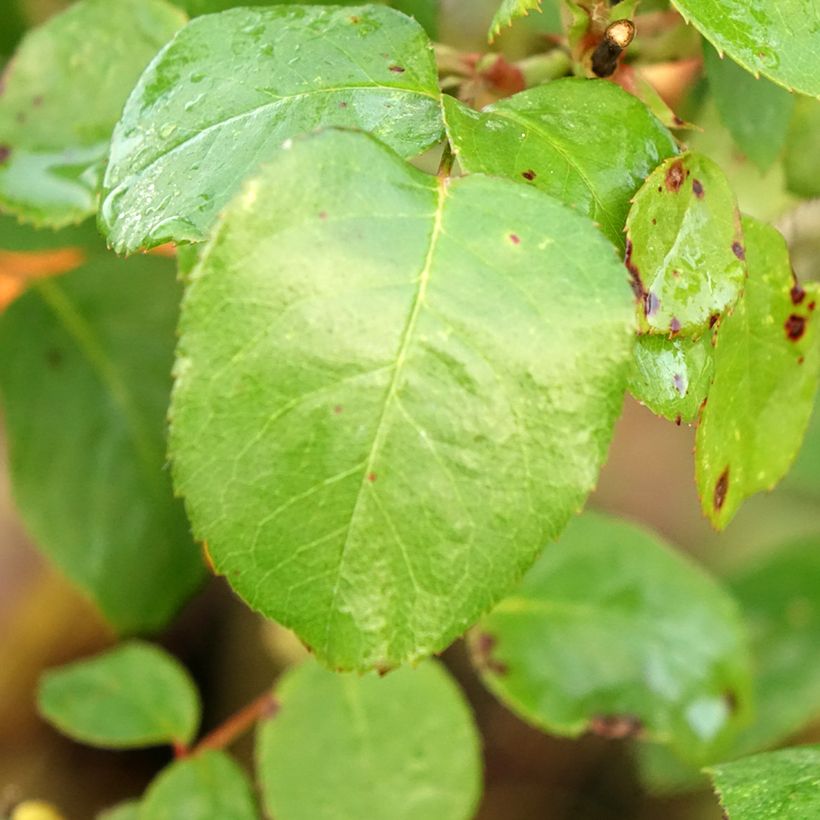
x=672, y=376
x=685, y=250
x=767, y=362
x=54, y=131
x=508, y=11
x=207, y=786
x=778, y=38
x=134, y=695
x=344, y=747
x=756, y=111
x=232, y=87
x=586, y=142
x=389, y=396
x=782, y=785
x=85, y=380
x=613, y=632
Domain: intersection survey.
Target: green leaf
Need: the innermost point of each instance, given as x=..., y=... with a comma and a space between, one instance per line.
x=346, y=747
x=767, y=362
x=684, y=246
x=672, y=376
x=779, y=39
x=804, y=477
x=507, y=12
x=207, y=786
x=63, y=93
x=802, y=160
x=252, y=78
x=84, y=375
x=134, y=695
x=15, y=236
x=756, y=111
x=783, y=785
x=586, y=142
x=613, y=632
x=411, y=398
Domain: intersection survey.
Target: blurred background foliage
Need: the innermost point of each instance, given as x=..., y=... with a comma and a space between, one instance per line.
x=234, y=654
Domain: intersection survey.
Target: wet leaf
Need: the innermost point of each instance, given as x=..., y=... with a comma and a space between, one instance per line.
x=756, y=111
x=54, y=131
x=612, y=632
x=779, y=39
x=685, y=253
x=672, y=376
x=507, y=12
x=782, y=785
x=802, y=160
x=134, y=695
x=378, y=345
x=345, y=747
x=232, y=87
x=767, y=362
x=207, y=786
x=84, y=375
x=588, y=143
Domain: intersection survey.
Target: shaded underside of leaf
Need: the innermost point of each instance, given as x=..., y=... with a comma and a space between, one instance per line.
x=586, y=142
x=54, y=131
x=84, y=375
x=612, y=632
x=230, y=88
x=766, y=373
x=343, y=747
x=389, y=395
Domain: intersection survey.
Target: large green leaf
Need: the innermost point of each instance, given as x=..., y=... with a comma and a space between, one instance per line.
x=507, y=12
x=778, y=38
x=612, y=632
x=586, y=142
x=62, y=95
x=346, y=747
x=134, y=695
x=207, y=786
x=782, y=785
x=672, y=376
x=84, y=375
x=802, y=160
x=767, y=362
x=756, y=111
x=232, y=87
x=392, y=390
x=684, y=246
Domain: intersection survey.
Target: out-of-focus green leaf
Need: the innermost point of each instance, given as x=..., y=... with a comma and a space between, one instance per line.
x=507, y=12
x=685, y=251
x=614, y=633
x=134, y=695
x=15, y=236
x=783, y=785
x=672, y=376
x=767, y=361
x=802, y=159
x=346, y=747
x=251, y=79
x=207, y=786
x=127, y=810
x=586, y=142
x=804, y=477
x=779, y=39
x=62, y=95
x=756, y=111
x=84, y=375
x=412, y=400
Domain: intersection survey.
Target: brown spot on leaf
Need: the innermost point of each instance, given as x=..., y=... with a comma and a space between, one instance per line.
x=37, y=101
x=797, y=294
x=371, y=477
x=654, y=221
x=483, y=647
x=515, y=239
x=730, y=699
x=397, y=69
x=676, y=120
x=338, y=409
x=616, y=727
x=530, y=175
x=355, y=20
x=5, y=153
x=739, y=251
x=342, y=104
x=721, y=488
x=713, y=320
x=801, y=360
x=812, y=305
x=323, y=215
x=795, y=327
x=634, y=273
x=674, y=177
x=697, y=188
x=678, y=419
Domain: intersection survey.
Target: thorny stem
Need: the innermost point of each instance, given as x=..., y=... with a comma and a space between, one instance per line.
x=236, y=725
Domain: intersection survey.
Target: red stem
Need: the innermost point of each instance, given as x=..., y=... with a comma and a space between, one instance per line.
x=239, y=723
